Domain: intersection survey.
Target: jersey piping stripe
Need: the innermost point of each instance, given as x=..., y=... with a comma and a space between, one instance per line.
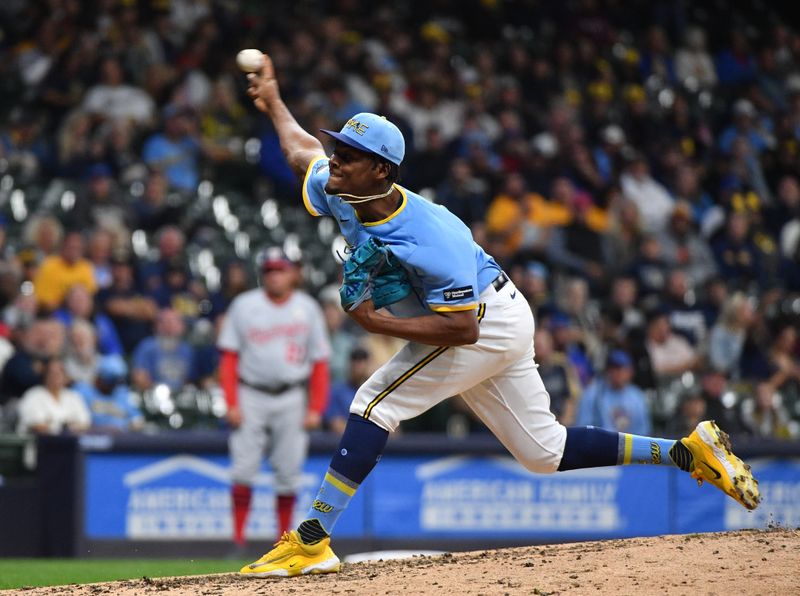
x=457, y=308
x=306, y=200
x=403, y=378
x=481, y=311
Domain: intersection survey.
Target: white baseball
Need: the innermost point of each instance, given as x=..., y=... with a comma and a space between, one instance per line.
x=250, y=60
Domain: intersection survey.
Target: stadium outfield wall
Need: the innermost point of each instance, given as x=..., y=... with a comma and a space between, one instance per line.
x=143, y=495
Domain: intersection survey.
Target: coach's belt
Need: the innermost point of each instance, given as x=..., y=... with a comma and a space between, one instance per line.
x=500, y=281
x=272, y=389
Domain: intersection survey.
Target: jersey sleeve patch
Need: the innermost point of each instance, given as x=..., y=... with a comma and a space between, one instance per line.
x=314, y=197
x=456, y=294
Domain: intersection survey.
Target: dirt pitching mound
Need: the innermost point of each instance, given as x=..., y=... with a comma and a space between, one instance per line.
x=745, y=562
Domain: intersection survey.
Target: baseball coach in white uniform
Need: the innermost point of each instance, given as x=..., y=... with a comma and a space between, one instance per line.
x=274, y=373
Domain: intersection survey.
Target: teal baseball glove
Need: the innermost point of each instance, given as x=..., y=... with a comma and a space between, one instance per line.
x=372, y=271
x=391, y=285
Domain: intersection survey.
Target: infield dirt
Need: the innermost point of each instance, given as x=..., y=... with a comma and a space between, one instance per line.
x=744, y=562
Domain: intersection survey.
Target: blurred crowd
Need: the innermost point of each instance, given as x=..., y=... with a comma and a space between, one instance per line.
x=634, y=168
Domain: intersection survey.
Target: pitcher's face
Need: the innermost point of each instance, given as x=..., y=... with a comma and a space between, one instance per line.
x=352, y=171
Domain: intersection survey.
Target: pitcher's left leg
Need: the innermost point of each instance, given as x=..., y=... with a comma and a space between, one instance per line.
x=515, y=406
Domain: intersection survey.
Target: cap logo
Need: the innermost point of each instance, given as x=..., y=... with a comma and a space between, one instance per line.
x=357, y=127
x=384, y=149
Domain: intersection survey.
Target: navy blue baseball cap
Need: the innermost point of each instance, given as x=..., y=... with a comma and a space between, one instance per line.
x=100, y=170
x=373, y=134
x=619, y=358
x=560, y=320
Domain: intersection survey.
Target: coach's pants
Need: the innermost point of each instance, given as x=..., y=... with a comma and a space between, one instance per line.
x=271, y=423
x=496, y=376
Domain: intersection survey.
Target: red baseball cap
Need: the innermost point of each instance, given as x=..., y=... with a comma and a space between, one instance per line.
x=274, y=258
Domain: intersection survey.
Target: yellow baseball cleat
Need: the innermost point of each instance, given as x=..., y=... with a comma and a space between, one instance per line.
x=291, y=557
x=713, y=460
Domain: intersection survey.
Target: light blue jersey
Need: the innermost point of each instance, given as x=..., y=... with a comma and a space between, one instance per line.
x=445, y=266
x=116, y=410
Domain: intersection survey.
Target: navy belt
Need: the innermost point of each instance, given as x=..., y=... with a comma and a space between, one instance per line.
x=272, y=389
x=500, y=281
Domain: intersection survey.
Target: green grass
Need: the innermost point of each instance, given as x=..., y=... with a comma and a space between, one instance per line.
x=15, y=573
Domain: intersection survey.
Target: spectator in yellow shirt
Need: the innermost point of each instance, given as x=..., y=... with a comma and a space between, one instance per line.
x=58, y=273
x=521, y=220
x=514, y=221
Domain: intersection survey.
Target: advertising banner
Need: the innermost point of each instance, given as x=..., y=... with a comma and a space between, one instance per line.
x=495, y=496
x=186, y=497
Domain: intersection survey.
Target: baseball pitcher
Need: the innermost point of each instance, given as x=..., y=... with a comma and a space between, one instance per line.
x=469, y=331
x=275, y=349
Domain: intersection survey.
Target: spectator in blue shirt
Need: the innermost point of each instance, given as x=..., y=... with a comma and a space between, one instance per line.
x=566, y=337
x=686, y=317
x=176, y=151
x=343, y=392
x=274, y=166
x=736, y=64
x=24, y=145
x=131, y=312
x=613, y=402
x=165, y=358
x=657, y=59
x=649, y=267
x=151, y=274
x=738, y=258
x=744, y=125
x=79, y=304
x=109, y=398
x=463, y=194
x=179, y=291
x=608, y=155
x=558, y=376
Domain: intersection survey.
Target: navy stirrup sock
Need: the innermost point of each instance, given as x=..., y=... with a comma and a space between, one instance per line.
x=359, y=450
x=591, y=447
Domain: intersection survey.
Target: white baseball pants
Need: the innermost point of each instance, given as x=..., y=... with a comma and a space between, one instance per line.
x=496, y=376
